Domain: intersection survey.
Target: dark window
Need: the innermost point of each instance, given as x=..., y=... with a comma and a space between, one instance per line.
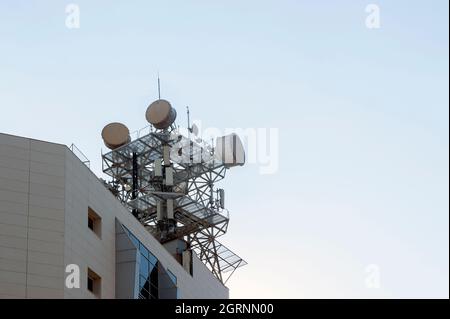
x=144, y=294
x=94, y=282
x=90, y=284
x=94, y=222
x=91, y=223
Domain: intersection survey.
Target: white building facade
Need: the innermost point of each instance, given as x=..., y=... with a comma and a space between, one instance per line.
x=55, y=213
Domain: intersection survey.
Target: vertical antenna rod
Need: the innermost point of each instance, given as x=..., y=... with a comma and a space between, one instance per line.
x=159, y=88
x=188, y=119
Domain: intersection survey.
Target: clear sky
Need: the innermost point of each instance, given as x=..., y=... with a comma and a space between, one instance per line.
x=362, y=114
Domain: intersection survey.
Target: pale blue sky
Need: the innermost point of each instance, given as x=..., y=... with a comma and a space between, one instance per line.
x=362, y=115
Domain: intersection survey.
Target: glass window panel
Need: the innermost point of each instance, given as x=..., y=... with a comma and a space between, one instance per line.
x=154, y=292
x=145, y=294
x=172, y=277
x=142, y=281
x=144, y=289
x=152, y=258
x=144, y=270
x=154, y=276
x=143, y=250
x=148, y=269
x=153, y=287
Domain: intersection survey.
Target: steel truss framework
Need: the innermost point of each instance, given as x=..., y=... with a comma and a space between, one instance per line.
x=199, y=219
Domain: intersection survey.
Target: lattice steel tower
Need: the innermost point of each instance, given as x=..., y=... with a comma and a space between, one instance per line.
x=167, y=181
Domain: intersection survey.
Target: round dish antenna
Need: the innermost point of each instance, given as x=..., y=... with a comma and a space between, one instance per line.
x=115, y=135
x=161, y=114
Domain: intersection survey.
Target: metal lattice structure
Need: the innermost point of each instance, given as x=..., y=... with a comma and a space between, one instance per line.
x=167, y=180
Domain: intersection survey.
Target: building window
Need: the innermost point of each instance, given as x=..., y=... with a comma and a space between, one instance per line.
x=172, y=277
x=94, y=222
x=148, y=270
x=148, y=275
x=94, y=282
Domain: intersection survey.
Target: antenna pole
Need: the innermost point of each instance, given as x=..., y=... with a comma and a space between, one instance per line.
x=159, y=88
x=188, y=119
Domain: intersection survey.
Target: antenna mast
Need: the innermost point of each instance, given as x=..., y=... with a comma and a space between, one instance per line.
x=173, y=196
x=159, y=88
x=188, y=119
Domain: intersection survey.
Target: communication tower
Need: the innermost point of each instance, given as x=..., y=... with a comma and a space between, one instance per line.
x=167, y=181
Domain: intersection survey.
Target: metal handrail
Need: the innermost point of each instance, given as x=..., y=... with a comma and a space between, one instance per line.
x=83, y=157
